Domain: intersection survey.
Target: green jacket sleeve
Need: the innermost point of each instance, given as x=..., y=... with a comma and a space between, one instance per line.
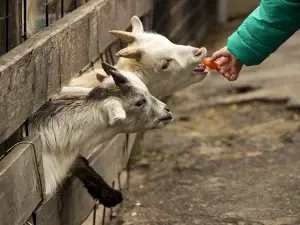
x=265, y=30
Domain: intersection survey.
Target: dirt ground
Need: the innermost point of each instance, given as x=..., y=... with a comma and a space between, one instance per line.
x=232, y=154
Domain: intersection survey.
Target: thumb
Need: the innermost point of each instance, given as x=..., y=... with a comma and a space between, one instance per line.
x=215, y=56
x=220, y=53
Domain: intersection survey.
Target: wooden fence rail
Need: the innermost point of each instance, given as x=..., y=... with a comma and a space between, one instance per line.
x=29, y=75
x=35, y=70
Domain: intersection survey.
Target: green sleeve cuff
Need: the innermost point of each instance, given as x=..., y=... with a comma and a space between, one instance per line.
x=243, y=52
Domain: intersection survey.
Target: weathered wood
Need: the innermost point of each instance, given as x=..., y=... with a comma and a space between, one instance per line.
x=132, y=138
x=14, y=23
x=2, y=27
x=107, y=161
x=33, y=71
x=20, y=187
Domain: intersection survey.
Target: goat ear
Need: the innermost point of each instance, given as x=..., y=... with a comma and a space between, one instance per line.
x=119, y=79
x=115, y=112
x=130, y=53
x=123, y=35
x=100, y=76
x=137, y=25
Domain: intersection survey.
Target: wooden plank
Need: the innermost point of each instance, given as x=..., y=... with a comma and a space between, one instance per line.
x=33, y=71
x=2, y=27
x=14, y=23
x=73, y=204
x=20, y=187
x=132, y=138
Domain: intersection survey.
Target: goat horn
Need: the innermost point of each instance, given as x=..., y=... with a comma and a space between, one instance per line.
x=123, y=35
x=107, y=68
x=129, y=52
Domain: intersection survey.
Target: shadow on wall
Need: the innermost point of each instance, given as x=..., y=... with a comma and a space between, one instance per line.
x=182, y=20
x=239, y=8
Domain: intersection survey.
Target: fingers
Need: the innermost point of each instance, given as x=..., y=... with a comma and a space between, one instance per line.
x=232, y=77
x=223, y=61
x=228, y=72
x=215, y=56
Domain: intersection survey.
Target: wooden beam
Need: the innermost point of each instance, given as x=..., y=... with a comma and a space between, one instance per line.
x=14, y=23
x=20, y=185
x=73, y=204
x=35, y=70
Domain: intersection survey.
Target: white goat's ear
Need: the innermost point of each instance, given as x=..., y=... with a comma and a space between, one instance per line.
x=115, y=112
x=137, y=25
x=130, y=52
x=123, y=35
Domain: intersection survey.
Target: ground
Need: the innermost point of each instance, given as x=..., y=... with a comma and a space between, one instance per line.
x=232, y=154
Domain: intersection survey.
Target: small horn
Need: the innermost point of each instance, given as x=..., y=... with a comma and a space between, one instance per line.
x=107, y=68
x=123, y=35
x=130, y=53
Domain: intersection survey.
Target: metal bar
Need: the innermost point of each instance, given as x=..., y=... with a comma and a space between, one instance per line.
x=3, y=29
x=107, y=56
x=62, y=8
x=25, y=19
x=47, y=14
x=111, y=55
x=103, y=216
x=222, y=11
x=111, y=209
x=6, y=26
x=94, y=216
x=121, y=44
x=119, y=181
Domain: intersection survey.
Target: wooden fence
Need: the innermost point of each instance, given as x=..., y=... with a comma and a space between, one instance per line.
x=36, y=69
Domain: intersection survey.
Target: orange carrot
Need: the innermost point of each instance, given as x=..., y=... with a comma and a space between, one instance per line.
x=211, y=65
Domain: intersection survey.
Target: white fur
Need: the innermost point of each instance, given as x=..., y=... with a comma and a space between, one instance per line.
x=87, y=123
x=154, y=50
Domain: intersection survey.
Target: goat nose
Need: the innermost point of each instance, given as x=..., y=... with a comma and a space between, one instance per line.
x=167, y=109
x=197, y=52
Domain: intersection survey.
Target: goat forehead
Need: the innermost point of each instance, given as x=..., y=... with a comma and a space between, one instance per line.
x=166, y=50
x=152, y=38
x=135, y=81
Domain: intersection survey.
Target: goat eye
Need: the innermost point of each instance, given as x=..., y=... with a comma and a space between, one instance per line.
x=166, y=65
x=140, y=102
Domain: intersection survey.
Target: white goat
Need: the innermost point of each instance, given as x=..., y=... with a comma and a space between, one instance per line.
x=163, y=66
x=68, y=124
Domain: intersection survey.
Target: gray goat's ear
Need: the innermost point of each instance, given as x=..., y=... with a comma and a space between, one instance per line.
x=115, y=112
x=119, y=79
x=137, y=25
x=107, y=68
x=100, y=77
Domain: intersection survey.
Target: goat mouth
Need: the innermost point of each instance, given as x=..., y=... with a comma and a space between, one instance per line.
x=166, y=118
x=200, y=69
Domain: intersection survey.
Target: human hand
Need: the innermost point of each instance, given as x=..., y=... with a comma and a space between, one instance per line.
x=229, y=66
